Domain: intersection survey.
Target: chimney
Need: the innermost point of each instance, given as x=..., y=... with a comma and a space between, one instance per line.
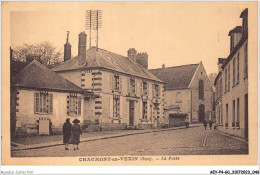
x=67, y=49
x=82, y=49
x=142, y=59
x=131, y=53
x=163, y=66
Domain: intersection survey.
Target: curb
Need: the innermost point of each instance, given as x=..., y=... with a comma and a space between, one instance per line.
x=101, y=138
x=232, y=136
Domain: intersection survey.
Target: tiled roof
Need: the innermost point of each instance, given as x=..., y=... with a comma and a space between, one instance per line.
x=178, y=77
x=237, y=29
x=36, y=75
x=108, y=60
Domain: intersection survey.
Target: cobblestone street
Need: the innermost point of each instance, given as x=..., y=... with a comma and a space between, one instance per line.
x=192, y=141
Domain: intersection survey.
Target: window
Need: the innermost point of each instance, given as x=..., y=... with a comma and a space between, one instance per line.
x=131, y=86
x=226, y=80
x=231, y=42
x=73, y=104
x=116, y=107
x=156, y=90
x=43, y=102
x=201, y=89
x=221, y=114
x=226, y=125
x=234, y=113
x=234, y=71
x=144, y=88
x=145, y=110
x=116, y=82
x=246, y=62
x=238, y=120
x=238, y=68
x=228, y=76
x=178, y=97
x=221, y=87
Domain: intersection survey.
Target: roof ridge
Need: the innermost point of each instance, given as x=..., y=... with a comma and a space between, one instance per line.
x=176, y=66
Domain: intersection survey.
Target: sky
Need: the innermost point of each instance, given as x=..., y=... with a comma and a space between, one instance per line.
x=172, y=33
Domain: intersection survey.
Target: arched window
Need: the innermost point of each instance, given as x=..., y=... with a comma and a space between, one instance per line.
x=201, y=89
x=178, y=97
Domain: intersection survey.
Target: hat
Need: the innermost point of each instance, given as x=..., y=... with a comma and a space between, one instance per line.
x=76, y=121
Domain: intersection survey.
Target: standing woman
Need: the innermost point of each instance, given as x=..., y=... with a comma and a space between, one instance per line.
x=75, y=135
x=66, y=133
x=205, y=124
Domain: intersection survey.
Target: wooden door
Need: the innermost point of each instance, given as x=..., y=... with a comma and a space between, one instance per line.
x=201, y=113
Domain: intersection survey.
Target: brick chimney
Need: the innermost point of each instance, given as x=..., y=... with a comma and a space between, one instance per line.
x=67, y=49
x=163, y=65
x=82, y=49
x=142, y=59
x=131, y=53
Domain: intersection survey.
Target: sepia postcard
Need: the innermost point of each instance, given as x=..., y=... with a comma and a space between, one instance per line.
x=129, y=83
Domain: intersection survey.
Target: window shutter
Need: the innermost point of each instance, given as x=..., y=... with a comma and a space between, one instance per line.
x=141, y=87
x=79, y=105
x=148, y=89
x=141, y=110
x=36, y=102
x=135, y=86
x=153, y=89
x=51, y=103
x=120, y=83
x=68, y=105
x=111, y=107
x=112, y=81
x=159, y=91
x=128, y=85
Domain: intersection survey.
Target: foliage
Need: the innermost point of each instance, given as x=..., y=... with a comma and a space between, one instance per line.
x=44, y=52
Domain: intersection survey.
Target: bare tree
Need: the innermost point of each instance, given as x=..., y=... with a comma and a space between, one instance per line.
x=44, y=52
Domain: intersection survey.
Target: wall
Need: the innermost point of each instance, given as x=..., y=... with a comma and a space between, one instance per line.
x=26, y=118
x=235, y=92
x=208, y=92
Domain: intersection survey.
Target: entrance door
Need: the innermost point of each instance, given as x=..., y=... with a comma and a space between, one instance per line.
x=246, y=116
x=131, y=112
x=201, y=113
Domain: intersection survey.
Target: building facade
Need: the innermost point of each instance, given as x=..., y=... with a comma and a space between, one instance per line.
x=126, y=94
x=188, y=92
x=41, y=100
x=232, y=83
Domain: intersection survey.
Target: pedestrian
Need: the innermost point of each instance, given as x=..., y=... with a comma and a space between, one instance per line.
x=75, y=134
x=205, y=124
x=210, y=123
x=66, y=133
x=187, y=123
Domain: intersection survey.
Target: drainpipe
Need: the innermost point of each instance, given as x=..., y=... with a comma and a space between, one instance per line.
x=190, y=105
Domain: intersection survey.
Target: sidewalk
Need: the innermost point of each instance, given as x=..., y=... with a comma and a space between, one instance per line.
x=56, y=140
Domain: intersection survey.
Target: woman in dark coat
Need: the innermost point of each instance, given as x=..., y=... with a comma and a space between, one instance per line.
x=66, y=133
x=75, y=135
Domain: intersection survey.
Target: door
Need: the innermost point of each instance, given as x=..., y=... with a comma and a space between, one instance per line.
x=131, y=112
x=201, y=113
x=246, y=116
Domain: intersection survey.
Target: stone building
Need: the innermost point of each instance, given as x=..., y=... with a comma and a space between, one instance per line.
x=232, y=83
x=126, y=94
x=188, y=92
x=41, y=100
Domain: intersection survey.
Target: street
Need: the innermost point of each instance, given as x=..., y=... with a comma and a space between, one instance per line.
x=191, y=141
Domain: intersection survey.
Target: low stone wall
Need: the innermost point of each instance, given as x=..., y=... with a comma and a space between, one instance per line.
x=144, y=126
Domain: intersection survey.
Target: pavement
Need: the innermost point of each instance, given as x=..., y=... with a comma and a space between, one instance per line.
x=47, y=141
x=173, y=141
